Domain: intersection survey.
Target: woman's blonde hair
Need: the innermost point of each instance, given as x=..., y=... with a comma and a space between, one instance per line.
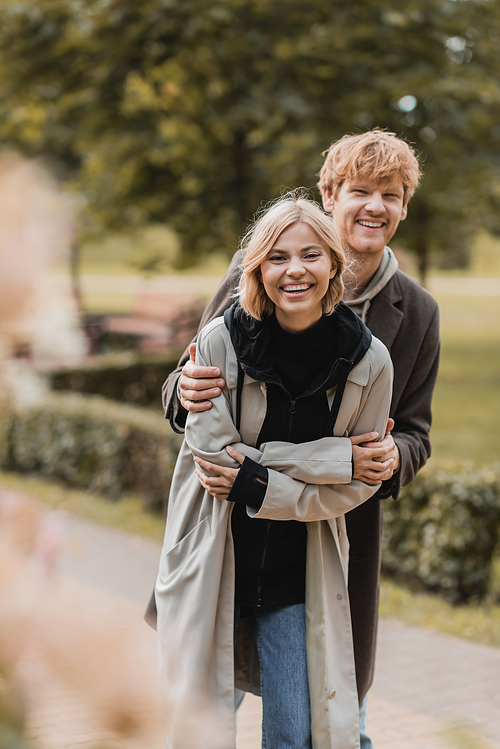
x=271, y=222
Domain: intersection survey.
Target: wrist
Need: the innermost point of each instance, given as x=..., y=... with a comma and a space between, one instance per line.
x=397, y=458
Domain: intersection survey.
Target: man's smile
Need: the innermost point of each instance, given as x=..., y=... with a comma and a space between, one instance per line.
x=371, y=224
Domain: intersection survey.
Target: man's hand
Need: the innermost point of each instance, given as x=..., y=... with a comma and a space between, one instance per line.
x=374, y=461
x=196, y=384
x=389, y=441
x=222, y=482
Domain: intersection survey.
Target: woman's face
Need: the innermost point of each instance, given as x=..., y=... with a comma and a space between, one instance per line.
x=296, y=275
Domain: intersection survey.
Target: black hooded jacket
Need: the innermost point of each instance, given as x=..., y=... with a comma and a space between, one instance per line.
x=298, y=370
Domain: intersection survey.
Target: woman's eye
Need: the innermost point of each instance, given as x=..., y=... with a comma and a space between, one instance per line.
x=312, y=255
x=274, y=258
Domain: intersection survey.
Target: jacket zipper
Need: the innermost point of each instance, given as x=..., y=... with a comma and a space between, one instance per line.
x=293, y=401
x=262, y=562
x=291, y=414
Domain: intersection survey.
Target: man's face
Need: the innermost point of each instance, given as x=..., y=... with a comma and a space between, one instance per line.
x=366, y=213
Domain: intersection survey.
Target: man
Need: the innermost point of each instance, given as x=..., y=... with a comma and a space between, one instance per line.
x=366, y=183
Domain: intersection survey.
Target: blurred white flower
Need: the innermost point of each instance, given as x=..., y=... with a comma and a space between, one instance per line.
x=38, y=314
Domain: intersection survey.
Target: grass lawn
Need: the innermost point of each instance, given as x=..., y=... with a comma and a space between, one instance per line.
x=466, y=401
x=480, y=623
x=127, y=514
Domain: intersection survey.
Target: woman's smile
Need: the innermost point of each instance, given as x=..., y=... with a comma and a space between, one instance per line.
x=296, y=289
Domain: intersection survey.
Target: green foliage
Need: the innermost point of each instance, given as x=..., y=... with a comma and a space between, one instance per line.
x=92, y=443
x=148, y=250
x=131, y=378
x=4, y=431
x=443, y=530
x=12, y=712
x=192, y=114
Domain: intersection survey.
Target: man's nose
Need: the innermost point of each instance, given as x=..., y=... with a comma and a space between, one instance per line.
x=375, y=203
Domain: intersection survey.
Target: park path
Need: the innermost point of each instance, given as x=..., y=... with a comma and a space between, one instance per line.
x=431, y=691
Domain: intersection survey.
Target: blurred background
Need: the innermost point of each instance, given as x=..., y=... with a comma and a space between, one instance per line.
x=137, y=140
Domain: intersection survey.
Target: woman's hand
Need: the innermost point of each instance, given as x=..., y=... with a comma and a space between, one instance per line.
x=222, y=482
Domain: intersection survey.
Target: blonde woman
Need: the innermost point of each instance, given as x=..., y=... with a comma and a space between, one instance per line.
x=252, y=581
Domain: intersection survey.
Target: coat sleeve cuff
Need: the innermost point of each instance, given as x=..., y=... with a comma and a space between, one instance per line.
x=247, y=489
x=174, y=412
x=180, y=417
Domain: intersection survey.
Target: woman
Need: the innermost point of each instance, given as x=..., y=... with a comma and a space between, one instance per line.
x=255, y=546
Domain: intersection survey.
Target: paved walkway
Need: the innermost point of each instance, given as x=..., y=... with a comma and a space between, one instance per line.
x=92, y=678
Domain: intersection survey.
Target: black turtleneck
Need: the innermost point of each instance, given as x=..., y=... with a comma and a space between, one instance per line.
x=298, y=370
x=301, y=358
x=271, y=555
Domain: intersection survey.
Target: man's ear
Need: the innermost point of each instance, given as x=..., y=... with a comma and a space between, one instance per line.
x=328, y=199
x=404, y=212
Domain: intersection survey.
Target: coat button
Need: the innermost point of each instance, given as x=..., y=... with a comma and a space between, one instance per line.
x=332, y=694
x=339, y=597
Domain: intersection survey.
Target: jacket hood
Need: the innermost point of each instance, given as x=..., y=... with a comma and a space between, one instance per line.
x=387, y=268
x=252, y=341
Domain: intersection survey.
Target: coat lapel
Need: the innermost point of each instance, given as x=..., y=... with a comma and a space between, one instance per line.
x=384, y=317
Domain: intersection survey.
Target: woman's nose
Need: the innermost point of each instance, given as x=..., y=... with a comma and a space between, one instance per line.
x=295, y=267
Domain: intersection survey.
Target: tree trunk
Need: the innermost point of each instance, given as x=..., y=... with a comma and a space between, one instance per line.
x=423, y=262
x=74, y=260
x=241, y=182
x=421, y=241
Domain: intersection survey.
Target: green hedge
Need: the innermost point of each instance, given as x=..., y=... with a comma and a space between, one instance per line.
x=95, y=444
x=4, y=433
x=442, y=532
x=127, y=377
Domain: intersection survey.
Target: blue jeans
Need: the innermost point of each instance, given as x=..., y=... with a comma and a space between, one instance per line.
x=280, y=635
x=364, y=739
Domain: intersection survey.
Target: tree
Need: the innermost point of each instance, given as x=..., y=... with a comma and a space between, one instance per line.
x=193, y=114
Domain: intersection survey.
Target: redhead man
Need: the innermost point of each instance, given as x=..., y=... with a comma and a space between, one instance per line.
x=366, y=182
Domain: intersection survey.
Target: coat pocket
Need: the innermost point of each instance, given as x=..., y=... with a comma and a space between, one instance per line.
x=184, y=548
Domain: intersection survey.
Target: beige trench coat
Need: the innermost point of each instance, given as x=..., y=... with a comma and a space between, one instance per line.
x=308, y=482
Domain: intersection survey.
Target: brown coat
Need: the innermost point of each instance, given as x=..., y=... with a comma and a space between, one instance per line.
x=406, y=319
